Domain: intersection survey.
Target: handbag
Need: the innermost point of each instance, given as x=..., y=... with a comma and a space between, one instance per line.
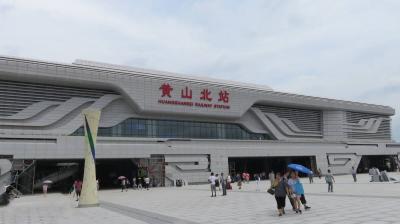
x=271, y=191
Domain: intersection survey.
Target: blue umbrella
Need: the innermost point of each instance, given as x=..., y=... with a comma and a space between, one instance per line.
x=300, y=168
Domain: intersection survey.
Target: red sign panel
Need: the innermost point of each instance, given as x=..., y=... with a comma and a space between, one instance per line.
x=187, y=94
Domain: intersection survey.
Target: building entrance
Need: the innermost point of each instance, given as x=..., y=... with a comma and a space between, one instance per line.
x=264, y=165
x=382, y=162
x=64, y=172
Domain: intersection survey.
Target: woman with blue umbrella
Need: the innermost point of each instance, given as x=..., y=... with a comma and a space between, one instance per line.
x=299, y=168
x=297, y=186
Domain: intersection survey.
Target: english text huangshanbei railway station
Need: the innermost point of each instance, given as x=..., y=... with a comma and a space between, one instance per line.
x=175, y=126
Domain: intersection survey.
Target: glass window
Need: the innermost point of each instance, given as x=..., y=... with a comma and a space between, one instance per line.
x=136, y=127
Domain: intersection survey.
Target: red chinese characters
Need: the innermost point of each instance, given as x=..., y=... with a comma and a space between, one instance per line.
x=166, y=90
x=224, y=96
x=216, y=101
x=205, y=94
x=186, y=93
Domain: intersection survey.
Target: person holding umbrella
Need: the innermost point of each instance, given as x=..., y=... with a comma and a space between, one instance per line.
x=123, y=183
x=46, y=186
x=297, y=186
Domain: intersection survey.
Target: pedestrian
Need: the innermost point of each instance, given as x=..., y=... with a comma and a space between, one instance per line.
x=223, y=184
x=98, y=184
x=257, y=182
x=319, y=173
x=311, y=177
x=147, y=182
x=354, y=173
x=247, y=177
x=239, y=182
x=211, y=180
x=298, y=191
x=45, y=186
x=271, y=177
x=73, y=191
x=217, y=185
x=228, y=182
x=290, y=182
x=140, y=183
x=304, y=202
x=237, y=177
x=293, y=194
x=78, y=189
x=123, y=185
x=329, y=180
x=281, y=189
x=134, y=186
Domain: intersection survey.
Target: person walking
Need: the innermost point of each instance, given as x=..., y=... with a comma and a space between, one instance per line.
x=354, y=173
x=293, y=194
x=45, y=186
x=319, y=173
x=147, y=182
x=73, y=191
x=78, y=189
x=247, y=176
x=217, y=183
x=311, y=177
x=298, y=191
x=329, y=180
x=123, y=185
x=271, y=177
x=134, y=186
x=288, y=179
x=211, y=180
x=228, y=182
x=223, y=184
x=239, y=182
x=139, y=184
x=281, y=189
x=257, y=177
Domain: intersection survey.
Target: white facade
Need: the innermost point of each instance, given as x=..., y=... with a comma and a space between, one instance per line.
x=40, y=105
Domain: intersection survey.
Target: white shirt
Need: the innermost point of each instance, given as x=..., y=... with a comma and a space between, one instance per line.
x=212, y=180
x=291, y=182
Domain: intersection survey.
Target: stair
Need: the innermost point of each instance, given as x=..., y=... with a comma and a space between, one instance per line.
x=57, y=176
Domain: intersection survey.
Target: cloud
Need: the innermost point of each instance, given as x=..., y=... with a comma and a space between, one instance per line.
x=337, y=49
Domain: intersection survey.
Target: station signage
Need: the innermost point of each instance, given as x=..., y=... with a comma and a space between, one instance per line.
x=205, y=98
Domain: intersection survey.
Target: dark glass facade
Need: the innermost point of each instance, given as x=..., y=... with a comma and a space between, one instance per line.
x=134, y=127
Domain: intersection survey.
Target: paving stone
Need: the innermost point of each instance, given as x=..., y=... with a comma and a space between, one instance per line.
x=352, y=203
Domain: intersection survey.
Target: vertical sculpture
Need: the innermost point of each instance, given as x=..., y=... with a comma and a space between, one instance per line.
x=88, y=196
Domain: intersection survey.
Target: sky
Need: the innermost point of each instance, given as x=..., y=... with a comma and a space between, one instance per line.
x=329, y=48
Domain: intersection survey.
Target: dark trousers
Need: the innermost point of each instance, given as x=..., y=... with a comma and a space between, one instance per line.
x=330, y=187
x=303, y=199
x=291, y=200
x=280, y=202
x=354, y=177
x=223, y=189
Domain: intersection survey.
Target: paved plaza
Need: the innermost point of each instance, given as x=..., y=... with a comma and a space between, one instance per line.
x=361, y=202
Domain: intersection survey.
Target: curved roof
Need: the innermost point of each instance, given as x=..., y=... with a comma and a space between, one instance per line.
x=170, y=75
x=249, y=94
